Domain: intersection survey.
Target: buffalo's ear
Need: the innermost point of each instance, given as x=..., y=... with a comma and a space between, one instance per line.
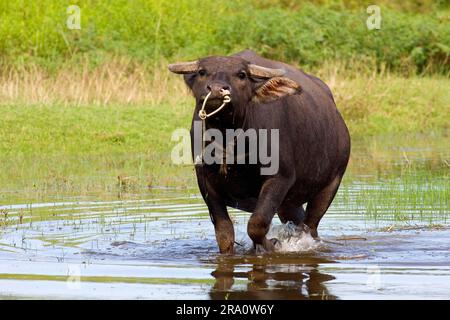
x=275, y=88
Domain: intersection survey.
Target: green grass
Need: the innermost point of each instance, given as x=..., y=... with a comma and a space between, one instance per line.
x=53, y=149
x=108, y=134
x=70, y=130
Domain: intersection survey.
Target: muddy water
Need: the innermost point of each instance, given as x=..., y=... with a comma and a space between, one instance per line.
x=162, y=245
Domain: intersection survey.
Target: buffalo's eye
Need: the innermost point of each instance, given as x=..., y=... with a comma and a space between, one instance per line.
x=242, y=75
x=202, y=72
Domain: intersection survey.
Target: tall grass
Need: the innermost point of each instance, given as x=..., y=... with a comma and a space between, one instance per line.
x=371, y=102
x=118, y=80
x=412, y=38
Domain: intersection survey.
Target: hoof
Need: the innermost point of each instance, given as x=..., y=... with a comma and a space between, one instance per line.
x=267, y=246
x=314, y=233
x=311, y=230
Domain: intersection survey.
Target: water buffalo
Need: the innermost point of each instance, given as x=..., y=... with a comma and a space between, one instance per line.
x=313, y=143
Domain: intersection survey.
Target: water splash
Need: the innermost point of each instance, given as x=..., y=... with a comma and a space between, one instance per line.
x=293, y=238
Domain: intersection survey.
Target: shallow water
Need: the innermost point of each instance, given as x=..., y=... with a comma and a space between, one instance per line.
x=386, y=236
x=163, y=246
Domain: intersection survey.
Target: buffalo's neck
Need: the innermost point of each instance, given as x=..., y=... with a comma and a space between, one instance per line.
x=227, y=119
x=224, y=122
x=222, y=125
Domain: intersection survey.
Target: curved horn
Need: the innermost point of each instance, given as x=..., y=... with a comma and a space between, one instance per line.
x=184, y=67
x=263, y=72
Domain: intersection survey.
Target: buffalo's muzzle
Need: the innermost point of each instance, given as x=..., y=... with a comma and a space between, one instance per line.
x=217, y=92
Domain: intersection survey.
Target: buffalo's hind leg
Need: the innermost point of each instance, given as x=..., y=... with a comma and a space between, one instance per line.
x=318, y=205
x=289, y=212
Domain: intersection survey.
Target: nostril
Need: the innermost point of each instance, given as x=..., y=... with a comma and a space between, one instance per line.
x=225, y=90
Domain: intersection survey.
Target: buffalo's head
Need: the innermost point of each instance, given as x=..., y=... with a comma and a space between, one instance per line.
x=244, y=81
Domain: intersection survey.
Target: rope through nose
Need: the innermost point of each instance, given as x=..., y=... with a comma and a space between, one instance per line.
x=226, y=99
x=203, y=115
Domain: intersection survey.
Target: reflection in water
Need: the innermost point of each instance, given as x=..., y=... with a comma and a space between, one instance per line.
x=270, y=279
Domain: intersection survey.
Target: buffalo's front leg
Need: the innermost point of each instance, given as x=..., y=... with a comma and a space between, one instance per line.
x=223, y=226
x=270, y=198
x=217, y=208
